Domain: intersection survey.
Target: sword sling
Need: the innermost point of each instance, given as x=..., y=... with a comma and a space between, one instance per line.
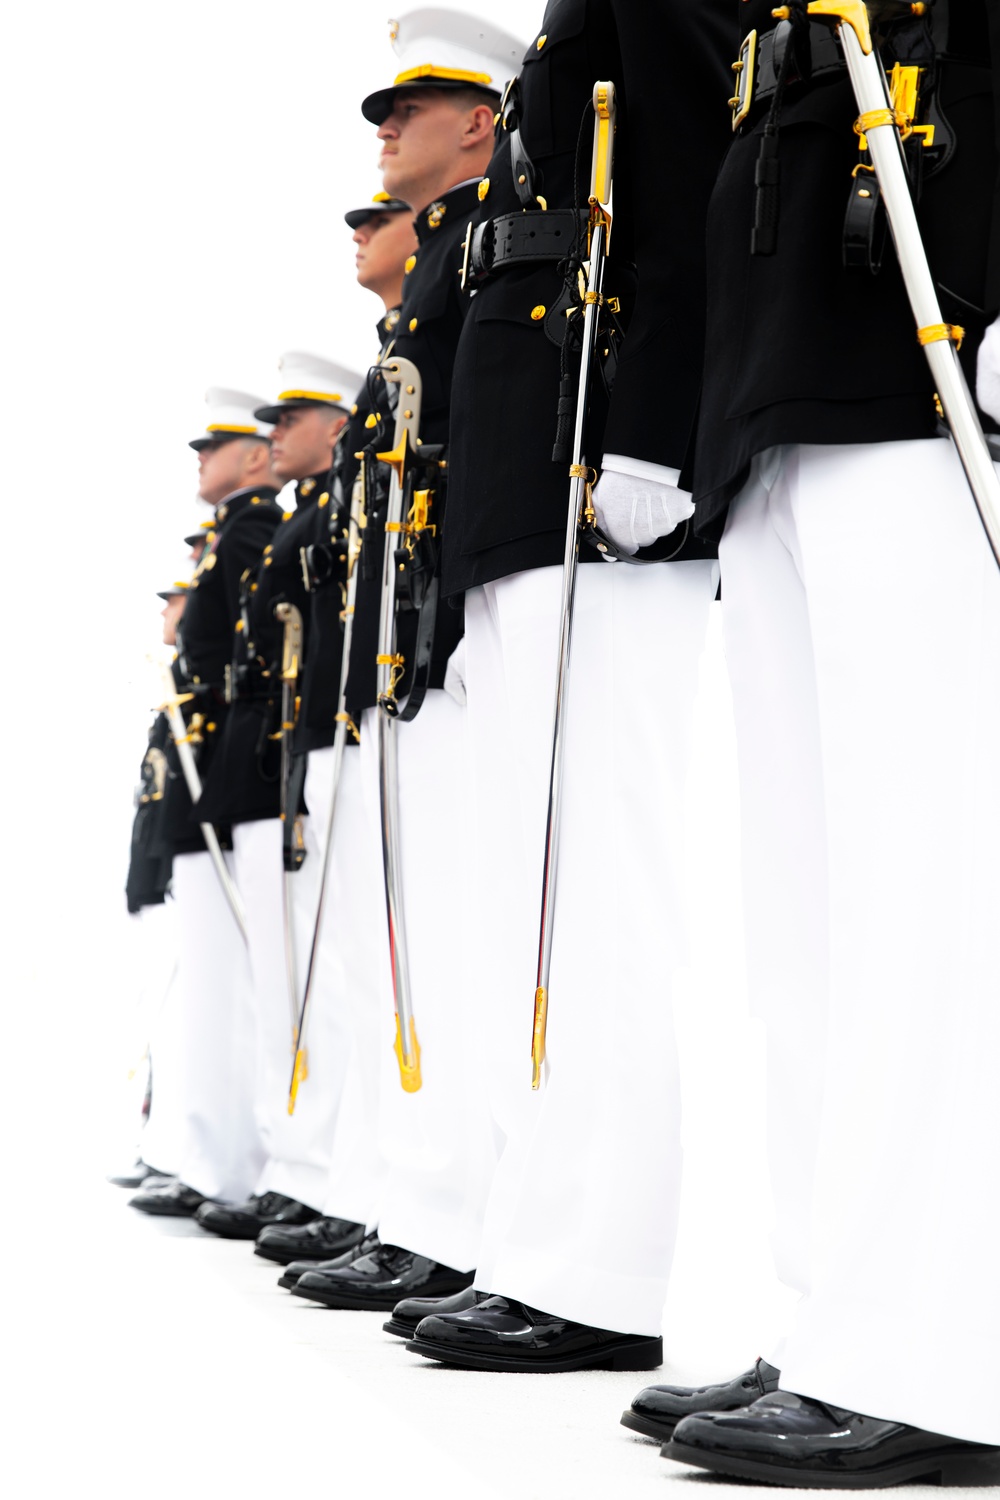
x=291, y=657
x=390, y=669
x=884, y=125
x=599, y=229
x=182, y=739
x=344, y=726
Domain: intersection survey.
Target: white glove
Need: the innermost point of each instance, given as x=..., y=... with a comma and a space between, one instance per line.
x=636, y=502
x=454, y=675
x=988, y=372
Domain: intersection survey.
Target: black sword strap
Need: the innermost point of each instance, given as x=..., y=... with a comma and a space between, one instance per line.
x=423, y=653
x=790, y=35
x=521, y=165
x=292, y=848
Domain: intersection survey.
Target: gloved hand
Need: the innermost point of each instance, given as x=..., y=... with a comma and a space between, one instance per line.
x=636, y=502
x=454, y=675
x=988, y=372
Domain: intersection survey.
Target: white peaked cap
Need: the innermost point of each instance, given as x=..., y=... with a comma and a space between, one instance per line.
x=231, y=414
x=446, y=49
x=310, y=380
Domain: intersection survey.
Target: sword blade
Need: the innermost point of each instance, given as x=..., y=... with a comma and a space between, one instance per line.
x=571, y=555
x=189, y=769
x=872, y=95
x=339, y=747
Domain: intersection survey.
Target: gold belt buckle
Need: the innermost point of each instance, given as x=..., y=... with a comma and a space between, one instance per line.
x=744, y=68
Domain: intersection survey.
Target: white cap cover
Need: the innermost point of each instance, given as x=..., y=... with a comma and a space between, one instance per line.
x=231, y=414
x=446, y=48
x=310, y=380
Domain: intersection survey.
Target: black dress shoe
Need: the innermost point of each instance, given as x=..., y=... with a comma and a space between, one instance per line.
x=412, y=1310
x=500, y=1334
x=376, y=1281
x=175, y=1201
x=321, y=1239
x=299, y=1268
x=244, y=1221
x=786, y=1439
x=136, y=1176
x=657, y=1410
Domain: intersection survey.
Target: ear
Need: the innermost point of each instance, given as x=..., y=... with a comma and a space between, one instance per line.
x=478, y=126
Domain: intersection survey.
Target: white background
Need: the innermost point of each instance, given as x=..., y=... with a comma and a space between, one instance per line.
x=173, y=187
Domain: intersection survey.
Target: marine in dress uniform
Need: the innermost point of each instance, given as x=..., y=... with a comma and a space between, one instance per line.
x=220, y=1154
x=147, y=887
x=862, y=617
x=582, y=1216
x=307, y=419
x=436, y=1142
x=353, y=921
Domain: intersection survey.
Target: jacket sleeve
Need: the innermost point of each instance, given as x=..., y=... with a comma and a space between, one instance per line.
x=676, y=79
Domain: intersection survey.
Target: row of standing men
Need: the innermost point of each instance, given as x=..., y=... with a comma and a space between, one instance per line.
x=761, y=408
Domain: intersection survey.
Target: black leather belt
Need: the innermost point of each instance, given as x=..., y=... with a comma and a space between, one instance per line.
x=522, y=239
x=759, y=62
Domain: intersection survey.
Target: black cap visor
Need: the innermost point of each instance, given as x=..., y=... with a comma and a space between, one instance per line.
x=359, y=216
x=378, y=106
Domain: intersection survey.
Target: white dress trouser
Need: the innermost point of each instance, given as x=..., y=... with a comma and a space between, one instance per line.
x=437, y=1142
x=582, y=1216
x=346, y=983
x=154, y=931
x=221, y=1151
x=297, y=1146
x=862, y=611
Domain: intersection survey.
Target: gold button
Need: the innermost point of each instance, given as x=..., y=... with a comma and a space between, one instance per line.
x=286, y=515
x=541, y=41
x=410, y=262
x=354, y=409
x=413, y=325
x=268, y=561
x=484, y=188
x=268, y=549
x=538, y=313
x=323, y=500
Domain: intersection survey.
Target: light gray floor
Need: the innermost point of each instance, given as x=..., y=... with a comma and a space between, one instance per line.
x=161, y=1361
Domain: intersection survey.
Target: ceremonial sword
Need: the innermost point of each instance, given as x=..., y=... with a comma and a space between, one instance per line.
x=292, y=847
x=182, y=739
x=391, y=665
x=599, y=229
x=344, y=726
x=885, y=123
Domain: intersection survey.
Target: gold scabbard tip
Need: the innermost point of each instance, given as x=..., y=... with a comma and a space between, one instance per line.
x=538, y=1035
x=409, y=1061
x=300, y=1073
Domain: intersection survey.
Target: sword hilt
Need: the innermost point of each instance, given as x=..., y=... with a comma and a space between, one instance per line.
x=538, y=1035
x=300, y=1072
x=409, y=1061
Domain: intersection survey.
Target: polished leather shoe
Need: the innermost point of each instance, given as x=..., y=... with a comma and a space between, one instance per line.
x=244, y=1221
x=656, y=1411
x=412, y=1310
x=136, y=1176
x=298, y=1268
x=376, y=1281
x=320, y=1239
x=796, y=1440
x=500, y=1334
x=175, y=1201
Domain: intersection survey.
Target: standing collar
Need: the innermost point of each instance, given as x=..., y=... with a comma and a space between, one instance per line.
x=453, y=204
